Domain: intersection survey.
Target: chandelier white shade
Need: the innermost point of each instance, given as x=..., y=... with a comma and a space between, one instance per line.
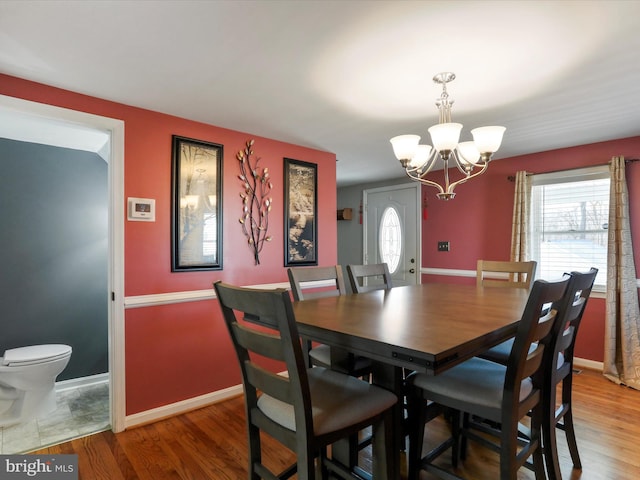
x=471, y=158
x=445, y=136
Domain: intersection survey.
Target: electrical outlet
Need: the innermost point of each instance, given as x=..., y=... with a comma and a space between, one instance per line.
x=443, y=246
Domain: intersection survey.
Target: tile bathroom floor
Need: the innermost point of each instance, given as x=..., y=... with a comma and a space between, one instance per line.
x=81, y=411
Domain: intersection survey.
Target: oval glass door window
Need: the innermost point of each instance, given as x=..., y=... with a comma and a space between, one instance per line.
x=390, y=240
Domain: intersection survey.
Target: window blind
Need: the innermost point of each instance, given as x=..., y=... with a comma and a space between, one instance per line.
x=569, y=221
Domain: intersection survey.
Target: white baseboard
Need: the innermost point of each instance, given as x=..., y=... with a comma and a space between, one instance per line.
x=82, y=382
x=155, y=414
x=448, y=272
x=590, y=364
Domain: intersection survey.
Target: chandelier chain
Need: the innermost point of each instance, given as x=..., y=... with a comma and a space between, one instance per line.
x=444, y=103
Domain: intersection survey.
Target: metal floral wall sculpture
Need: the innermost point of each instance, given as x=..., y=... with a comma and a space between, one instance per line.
x=256, y=202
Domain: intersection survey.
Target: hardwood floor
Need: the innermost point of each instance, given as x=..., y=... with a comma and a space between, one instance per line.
x=210, y=443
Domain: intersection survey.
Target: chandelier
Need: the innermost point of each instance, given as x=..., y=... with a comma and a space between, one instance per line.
x=471, y=158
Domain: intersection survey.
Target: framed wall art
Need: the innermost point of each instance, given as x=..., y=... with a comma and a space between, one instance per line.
x=196, y=220
x=300, y=213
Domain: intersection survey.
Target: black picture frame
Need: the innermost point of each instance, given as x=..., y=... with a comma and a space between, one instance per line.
x=300, y=213
x=196, y=220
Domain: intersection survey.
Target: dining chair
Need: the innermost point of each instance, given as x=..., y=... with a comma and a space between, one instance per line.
x=499, y=393
x=487, y=267
x=558, y=364
x=519, y=274
x=365, y=278
x=317, y=282
x=306, y=409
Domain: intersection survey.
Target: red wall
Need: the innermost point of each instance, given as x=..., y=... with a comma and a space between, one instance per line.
x=175, y=352
x=477, y=223
x=179, y=351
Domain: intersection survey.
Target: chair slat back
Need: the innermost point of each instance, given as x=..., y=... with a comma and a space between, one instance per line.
x=267, y=330
x=535, y=326
x=364, y=278
x=565, y=331
x=518, y=274
x=262, y=343
x=316, y=282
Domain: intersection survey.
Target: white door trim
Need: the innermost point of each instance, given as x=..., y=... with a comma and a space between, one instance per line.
x=416, y=186
x=116, y=234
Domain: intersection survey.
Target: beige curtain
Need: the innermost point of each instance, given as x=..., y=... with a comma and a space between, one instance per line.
x=622, y=327
x=520, y=222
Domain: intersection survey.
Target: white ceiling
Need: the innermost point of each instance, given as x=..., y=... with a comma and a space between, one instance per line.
x=345, y=76
x=27, y=127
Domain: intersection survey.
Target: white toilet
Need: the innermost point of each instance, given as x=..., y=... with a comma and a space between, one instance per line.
x=27, y=381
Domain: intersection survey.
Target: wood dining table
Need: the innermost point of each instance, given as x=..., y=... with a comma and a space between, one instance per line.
x=427, y=328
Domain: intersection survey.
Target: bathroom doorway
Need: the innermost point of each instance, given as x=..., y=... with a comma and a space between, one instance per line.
x=55, y=126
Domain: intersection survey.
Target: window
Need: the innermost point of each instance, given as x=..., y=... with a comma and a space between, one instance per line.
x=209, y=236
x=390, y=238
x=569, y=220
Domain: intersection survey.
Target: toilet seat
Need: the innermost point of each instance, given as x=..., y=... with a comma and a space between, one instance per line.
x=34, y=354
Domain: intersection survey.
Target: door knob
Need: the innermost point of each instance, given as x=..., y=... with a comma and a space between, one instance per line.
x=413, y=270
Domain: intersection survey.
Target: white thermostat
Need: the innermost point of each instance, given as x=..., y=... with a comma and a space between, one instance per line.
x=142, y=209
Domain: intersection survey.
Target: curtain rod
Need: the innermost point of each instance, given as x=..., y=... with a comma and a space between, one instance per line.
x=512, y=178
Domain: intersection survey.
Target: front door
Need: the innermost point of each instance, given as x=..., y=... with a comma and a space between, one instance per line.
x=392, y=230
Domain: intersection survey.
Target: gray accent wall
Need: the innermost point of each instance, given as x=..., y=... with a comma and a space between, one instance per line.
x=350, y=234
x=54, y=252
